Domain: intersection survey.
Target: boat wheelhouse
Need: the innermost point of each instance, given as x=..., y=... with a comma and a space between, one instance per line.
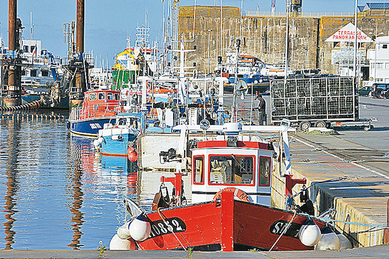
x=235, y=163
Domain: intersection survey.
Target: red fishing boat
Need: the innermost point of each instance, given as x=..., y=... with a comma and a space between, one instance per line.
x=231, y=194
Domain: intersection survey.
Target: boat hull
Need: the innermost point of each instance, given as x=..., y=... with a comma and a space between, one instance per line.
x=116, y=145
x=89, y=127
x=226, y=225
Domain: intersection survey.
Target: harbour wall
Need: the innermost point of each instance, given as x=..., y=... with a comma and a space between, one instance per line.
x=212, y=33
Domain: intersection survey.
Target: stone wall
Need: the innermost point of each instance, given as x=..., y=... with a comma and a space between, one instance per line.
x=265, y=37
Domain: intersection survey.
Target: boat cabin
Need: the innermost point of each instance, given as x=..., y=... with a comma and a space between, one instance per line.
x=101, y=103
x=243, y=164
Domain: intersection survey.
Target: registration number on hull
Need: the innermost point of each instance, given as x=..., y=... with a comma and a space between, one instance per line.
x=167, y=226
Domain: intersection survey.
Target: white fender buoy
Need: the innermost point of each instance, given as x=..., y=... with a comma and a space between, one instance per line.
x=344, y=241
x=140, y=228
x=328, y=240
x=121, y=244
x=309, y=233
x=96, y=143
x=124, y=231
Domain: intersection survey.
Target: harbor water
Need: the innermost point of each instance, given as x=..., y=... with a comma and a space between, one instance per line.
x=57, y=193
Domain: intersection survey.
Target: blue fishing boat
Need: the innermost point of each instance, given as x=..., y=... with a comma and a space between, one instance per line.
x=118, y=139
x=98, y=108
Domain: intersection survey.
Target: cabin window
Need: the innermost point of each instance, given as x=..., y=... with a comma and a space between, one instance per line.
x=231, y=169
x=45, y=73
x=264, y=171
x=385, y=46
x=122, y=122
x=101, y=96
x=198, y=169
x=92, y=97
x=117, y=96
x=33, y=73
x=25, y=48
x=109, y=96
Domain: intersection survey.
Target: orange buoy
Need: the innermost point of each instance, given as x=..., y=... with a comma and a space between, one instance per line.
x=132, y=154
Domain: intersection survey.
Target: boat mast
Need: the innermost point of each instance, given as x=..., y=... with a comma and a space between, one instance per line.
x=356, y=40
x=287, y=38
x=234, y=117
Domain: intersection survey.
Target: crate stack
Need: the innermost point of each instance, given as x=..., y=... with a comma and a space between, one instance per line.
x=314, y=99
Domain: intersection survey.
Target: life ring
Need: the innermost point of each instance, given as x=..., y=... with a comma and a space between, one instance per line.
x=238, y=194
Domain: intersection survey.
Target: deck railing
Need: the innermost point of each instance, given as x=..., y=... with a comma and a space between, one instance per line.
x=95, y=111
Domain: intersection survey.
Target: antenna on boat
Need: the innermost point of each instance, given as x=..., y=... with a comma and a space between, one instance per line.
x=32, y=27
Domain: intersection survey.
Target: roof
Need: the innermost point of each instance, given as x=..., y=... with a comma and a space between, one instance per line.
x=376, y=6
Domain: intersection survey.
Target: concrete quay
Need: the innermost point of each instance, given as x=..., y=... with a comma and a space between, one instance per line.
x=367, y=252
x=341, y=180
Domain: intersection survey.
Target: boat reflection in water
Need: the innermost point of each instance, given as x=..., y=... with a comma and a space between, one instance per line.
x=105, y=181
x=56, y=193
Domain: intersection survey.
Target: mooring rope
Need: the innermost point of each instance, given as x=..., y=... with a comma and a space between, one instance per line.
x=352, y=223
x=284, y=231
x=31, y=105
x=164, y=221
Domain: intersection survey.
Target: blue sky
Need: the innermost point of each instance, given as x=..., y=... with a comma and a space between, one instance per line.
x=109, y=23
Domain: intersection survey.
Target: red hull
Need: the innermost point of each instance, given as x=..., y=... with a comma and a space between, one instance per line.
x=226, y=225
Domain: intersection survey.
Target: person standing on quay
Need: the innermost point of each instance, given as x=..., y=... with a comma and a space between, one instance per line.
x=261, y=110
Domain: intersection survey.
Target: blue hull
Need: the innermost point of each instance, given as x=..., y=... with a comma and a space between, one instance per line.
x=88, y=128
x=116, y=147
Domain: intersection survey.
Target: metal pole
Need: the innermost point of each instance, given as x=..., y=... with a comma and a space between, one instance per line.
x=209, y=43
x=356, y=39
x=221, y=28
x=287, y=39
x=80, y=26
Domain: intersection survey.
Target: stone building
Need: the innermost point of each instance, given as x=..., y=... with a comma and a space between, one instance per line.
x=212, y=30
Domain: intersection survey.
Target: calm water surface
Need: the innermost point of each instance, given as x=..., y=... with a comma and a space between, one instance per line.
x=56, y=192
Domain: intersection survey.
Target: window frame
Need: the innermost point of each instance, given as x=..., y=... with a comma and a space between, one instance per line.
x=253, y=183
x=194, y=168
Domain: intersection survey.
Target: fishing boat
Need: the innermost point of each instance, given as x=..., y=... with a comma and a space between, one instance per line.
x=247, y=69
x=98, y=107
x=231, y=194
x=119, y=139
